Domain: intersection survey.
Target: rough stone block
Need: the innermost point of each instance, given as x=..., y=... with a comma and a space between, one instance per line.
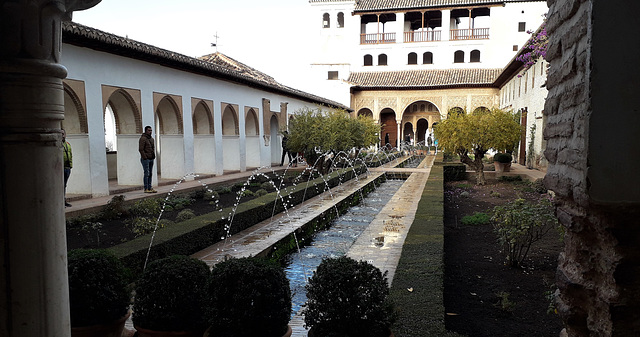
x=573, y=158
x=551, y=155
x=563, y=129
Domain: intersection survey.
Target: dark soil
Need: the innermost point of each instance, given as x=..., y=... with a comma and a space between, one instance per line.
x=483, y=296
x=94, y=231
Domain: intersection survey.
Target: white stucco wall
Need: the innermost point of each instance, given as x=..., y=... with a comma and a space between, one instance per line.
x=172, y=157
x=204, y=150
x=178, y=155
x=129, y=166
x=230, y=148
x=528, y=91
x=253, y=151
x=80, y=179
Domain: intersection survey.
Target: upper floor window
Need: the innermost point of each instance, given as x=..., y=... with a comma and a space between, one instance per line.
x=413, y=58
x=332, y=75
x=522, y=26
x=368, y=60
x=427, y=58
x=382, y=59
x=475, y=56
x=340, y=20
x=458, y=57
x=326, y=22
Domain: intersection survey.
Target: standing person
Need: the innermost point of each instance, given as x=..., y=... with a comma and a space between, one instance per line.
x=386, y=140
x=67, y=163
x=429, y=143
x=285, y=148
x=147, y=155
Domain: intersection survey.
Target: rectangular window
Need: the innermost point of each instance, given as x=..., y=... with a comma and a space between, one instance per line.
x=333, y=75
x=522, y=26
x=515, y=47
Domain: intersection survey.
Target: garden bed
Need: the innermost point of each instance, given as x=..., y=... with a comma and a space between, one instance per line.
x=484, y=296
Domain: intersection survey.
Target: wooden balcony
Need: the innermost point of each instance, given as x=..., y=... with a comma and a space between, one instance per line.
x=469, y=34
x=378, y=38
x=422, y=36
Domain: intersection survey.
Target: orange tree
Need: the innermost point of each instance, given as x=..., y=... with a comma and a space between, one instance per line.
x=315, y=132
x=472, y=135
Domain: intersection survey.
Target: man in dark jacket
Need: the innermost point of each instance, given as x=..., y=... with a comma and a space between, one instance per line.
x=147, y=155
x=285, y=148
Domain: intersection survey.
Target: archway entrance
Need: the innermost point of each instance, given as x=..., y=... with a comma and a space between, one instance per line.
x=389, y=127
x=274, y=144
x=123, y=127
x=251, y=131
x=421, y=131
x=204, y=147
x=169, y=140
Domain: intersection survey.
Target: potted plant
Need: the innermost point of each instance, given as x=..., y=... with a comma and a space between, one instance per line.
x=98, y=293
x=348, y=298
x=502, y=162
x=249, y=297
x=170, y=298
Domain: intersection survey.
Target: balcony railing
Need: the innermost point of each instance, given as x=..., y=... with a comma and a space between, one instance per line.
x=469, y=34
x=377, y=38
x=422, y=36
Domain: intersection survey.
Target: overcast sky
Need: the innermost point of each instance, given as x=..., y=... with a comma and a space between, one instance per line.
x=272, y=36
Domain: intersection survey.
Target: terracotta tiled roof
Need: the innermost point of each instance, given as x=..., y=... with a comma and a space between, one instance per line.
x=376, y=5
x=214, y=65
x=424, y=78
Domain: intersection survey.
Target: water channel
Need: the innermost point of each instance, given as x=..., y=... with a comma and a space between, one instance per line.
x=336, y=240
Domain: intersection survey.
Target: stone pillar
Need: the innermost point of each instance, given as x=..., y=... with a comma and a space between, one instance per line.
x=591, y=135
x=446, y=25
x=399, y=27
x=33, y=277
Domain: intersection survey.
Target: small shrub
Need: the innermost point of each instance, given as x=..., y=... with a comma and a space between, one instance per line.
x=463, y=185
x=184, y=215
x=348, y=298
x=92, y=228
x=171, y=295
x=476, y=219
x=248, y=297
x=261, y=192
x=247, y=193
x=538, y=186
x=148, y=207
x=142, y=226
x=224, y=190
x=510, y=178
x=519, y=224
x=211, y=195
x=502, y=158
x=504, y=303
x=98, y=292
x=114, y=208
x=267, y=186
x=495, y=194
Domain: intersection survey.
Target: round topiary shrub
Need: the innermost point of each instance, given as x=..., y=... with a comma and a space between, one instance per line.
x=248, y=297
x=171, y=295
x=98, y=291
x=502, y=158
x=346, y=297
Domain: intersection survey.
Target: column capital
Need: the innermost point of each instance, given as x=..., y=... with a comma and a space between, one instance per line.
x=31, y=29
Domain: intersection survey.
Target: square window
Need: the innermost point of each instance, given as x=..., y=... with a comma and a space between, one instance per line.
x=522, y=26
x=515, y=47
x=333, y=75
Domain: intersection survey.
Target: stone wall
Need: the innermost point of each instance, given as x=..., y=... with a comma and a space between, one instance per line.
x=598, y=269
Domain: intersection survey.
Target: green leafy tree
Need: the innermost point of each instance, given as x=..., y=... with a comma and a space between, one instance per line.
x=472, y=135
x=315, y=132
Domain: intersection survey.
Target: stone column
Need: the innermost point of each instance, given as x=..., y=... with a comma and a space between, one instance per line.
x=33, y=277
x=592, y=148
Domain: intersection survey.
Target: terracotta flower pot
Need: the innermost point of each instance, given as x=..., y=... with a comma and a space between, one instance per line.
x=113, y=329
x=153, y=333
